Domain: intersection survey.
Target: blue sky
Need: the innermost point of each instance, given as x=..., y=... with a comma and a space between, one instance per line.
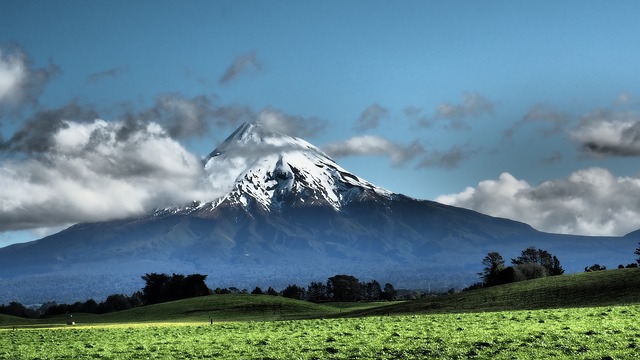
x=526, y=110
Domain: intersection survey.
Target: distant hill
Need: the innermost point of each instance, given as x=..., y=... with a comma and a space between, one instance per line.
x=599, y=288
x=289, y=214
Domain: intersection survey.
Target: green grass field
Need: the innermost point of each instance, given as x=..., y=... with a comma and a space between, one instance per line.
x=581, y=333
x=536, y=319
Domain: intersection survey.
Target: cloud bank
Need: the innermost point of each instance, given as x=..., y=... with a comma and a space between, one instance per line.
x=91, y=172
x=592, y=201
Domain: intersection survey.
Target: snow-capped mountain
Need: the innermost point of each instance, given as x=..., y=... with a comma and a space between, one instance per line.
x=287, y=214
x=257, y=167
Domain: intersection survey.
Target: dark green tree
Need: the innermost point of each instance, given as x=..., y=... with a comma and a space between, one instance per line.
x=14, y=309
x=155, y=289
x=257, y=291
x=389, y=293
x=344, y=288
x=162, y=287
x=531, y=255
x=372, y=290
x=317, y=292
x=115, y=302
x=136, y=299
x=90, y=306
x=271, y=291
x=293, y=292
x=529, y=271
x=508, y=275
x=556, y=268
x=594, y=267
x=637, y=252
x=194, y=285
x=493, y=264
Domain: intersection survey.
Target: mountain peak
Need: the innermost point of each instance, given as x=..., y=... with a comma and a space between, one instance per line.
x=258, y=166
x=255, y=136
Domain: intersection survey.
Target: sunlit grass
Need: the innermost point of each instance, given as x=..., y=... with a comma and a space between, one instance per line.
x=580, y=316
x=581, y=333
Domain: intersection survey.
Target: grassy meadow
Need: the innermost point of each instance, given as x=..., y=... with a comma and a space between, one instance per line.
x=602, y=324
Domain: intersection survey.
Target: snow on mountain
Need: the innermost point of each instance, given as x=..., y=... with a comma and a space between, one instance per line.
x=255, y=166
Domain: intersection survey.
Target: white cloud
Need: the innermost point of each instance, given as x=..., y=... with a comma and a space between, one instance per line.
x=91, y=173
x=374, y=145
x=605, y=134
x=592, y=201
x=20, y=82
x=12, y=73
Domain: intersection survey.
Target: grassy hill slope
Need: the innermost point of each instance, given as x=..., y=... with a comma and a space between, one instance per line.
x=204, y=309
x=221, y=308
x=601, y=288
x=6, y=320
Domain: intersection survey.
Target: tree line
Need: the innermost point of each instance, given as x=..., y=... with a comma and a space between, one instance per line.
x=532, y=263
x=160, y=287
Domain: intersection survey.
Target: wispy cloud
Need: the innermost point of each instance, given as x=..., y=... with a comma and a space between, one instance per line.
x=562, y=205
x=623, y=99
x=473, y=105
x=367, y=145
x=553, y=158
x=241, y=65
x=448, y=159
x=370, y=117
x=182, y=117
x=551, y=121
x=110, y=73
x=401, y=154
x=293, y=125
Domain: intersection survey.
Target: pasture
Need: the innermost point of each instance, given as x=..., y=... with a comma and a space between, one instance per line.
x=579, y=333
x=578, y=316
